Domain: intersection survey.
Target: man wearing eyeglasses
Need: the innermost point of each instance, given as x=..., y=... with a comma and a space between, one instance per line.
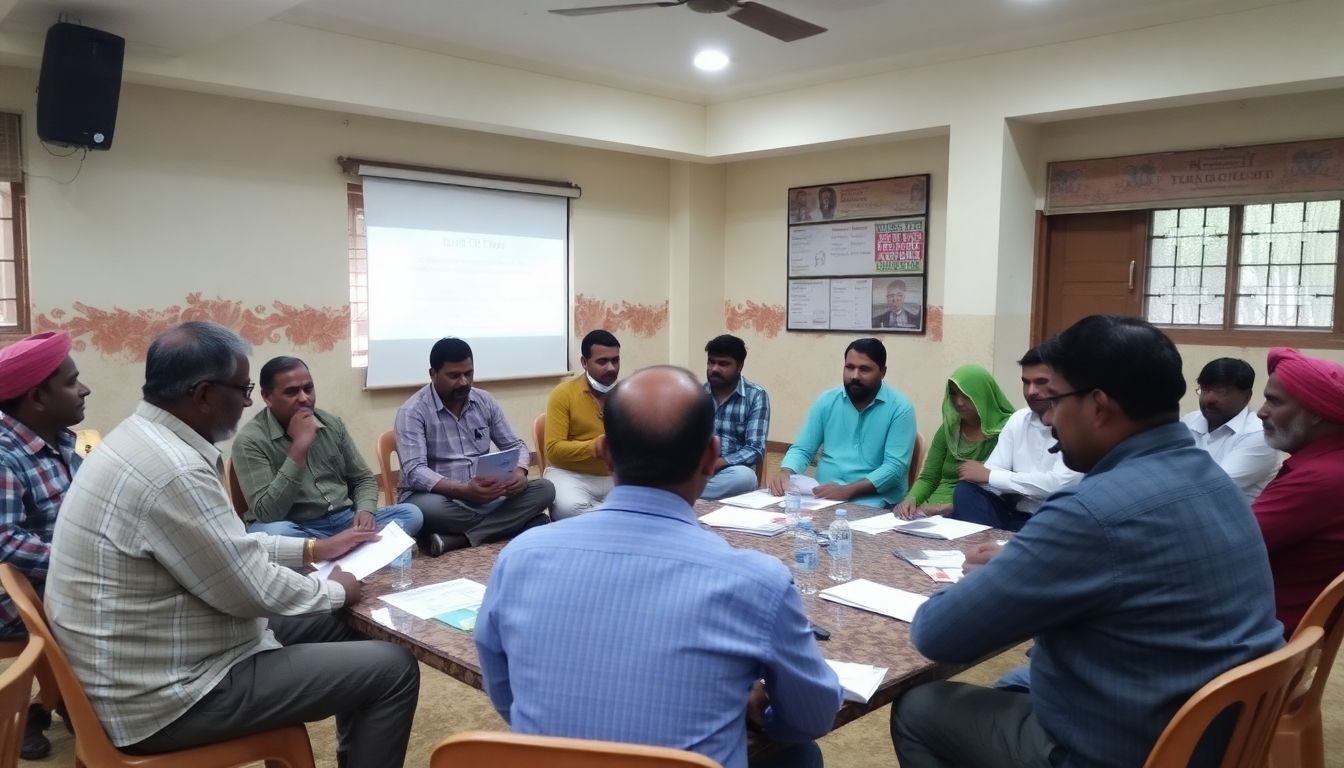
x=1226, y=427
x=298, y=468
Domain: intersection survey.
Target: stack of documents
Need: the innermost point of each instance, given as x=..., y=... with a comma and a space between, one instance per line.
x=760, y=522
x=860, y=681
x=371, y=555
x=437, y=600
x=870, y=596
x=761, y=499
x=875, y=524
x=929, y=527
x=942, y=565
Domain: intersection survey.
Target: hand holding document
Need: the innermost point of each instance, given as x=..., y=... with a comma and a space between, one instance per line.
x=370, y=556
x=498, y=465
x=878, y=598
x=859, y=681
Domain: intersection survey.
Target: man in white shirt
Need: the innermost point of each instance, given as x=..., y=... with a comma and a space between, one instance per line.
x=1226, y=427
x=1008, y=488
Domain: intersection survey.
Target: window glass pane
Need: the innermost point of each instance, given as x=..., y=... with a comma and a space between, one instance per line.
x=1254, y=249
x=1255, y=218
x=1287, y=217
x=1163, y=252
x=7, y=284
x=7, y=243
x=1300, y=245
x=1189, y=252
x=1322, y=215
x=1194, y=241
x=9, y=312
x=1216, y=219
x=1285, y=249
x=1318, y=312
x=1215, y=250
x=6, y=201
x=1161, y=280
x=1320, y=248
x=1159, y=311
x=1163, y=222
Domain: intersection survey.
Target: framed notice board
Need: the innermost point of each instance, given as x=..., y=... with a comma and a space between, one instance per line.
x=858, y=255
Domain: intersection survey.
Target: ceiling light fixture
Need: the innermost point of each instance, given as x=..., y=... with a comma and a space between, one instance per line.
x=711, y=60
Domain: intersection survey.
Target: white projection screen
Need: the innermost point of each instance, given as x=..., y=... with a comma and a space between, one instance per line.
x=487, y=266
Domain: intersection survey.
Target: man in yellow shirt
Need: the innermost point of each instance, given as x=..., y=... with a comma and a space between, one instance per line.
x=573, y=424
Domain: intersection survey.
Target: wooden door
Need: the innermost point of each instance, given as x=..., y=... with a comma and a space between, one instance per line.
x=1092, y=263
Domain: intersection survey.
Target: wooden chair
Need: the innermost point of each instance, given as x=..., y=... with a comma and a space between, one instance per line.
x=286, y=747
x=916, y=462
x=539, y=437
x=235, y=491
x=1300, y=740
x=1260, y=686
x=16, y=684
x=760, y=473
x=387, y=445
x=513, y=750
x=86, y=440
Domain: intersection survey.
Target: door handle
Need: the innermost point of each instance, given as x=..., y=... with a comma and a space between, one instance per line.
x=1132, y=264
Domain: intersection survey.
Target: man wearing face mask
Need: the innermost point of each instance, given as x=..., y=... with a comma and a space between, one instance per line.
x=573, y=424
x=1301, y=511
x=1225, y=426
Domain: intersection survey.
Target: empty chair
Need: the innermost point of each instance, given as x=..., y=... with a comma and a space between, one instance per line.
x=1300, y=742
x=16, y=683
x=513, y=750
x=1260, y=686
x=539, y=437
x=286, y=747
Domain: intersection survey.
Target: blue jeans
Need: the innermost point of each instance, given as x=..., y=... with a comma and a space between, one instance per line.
x=408, y=516
x=974, y=504
x=730, y=481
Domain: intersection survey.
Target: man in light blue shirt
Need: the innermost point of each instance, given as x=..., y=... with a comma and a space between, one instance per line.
x=633, y=623
x=866, y=433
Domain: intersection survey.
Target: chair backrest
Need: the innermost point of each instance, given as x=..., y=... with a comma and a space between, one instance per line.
x=1260, y=687
x=16, y=685
x=513, y=750
x=86, y=440
x=1326, y=612
x=387, y=445
x=92, y=747
x=916, y=462
x=539, y=437
x=235, y=491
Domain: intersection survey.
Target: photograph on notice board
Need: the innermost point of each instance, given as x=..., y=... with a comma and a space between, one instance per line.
x=878, y=198
x=898, y=303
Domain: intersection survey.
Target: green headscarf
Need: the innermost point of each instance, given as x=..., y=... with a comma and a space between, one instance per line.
x=979, y=385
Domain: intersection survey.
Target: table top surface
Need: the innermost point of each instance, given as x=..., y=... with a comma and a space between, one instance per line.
x=856, y=635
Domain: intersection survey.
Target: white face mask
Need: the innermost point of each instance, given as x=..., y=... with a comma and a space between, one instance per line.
x=593, y=384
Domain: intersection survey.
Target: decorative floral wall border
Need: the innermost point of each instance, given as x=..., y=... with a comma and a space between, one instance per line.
x=640, y=319
x=765, y=319
x=933, y=323
x=118, y=332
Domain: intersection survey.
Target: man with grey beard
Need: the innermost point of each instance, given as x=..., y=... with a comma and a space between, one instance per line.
x=1301, y=512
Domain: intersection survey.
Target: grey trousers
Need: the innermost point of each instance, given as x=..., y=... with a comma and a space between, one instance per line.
x=955, y=725
x=482, y=524
x=325, y=669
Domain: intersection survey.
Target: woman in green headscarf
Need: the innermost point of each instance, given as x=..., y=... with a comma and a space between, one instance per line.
x=974, y=412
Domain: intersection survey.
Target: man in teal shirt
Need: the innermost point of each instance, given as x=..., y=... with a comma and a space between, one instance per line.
x=865, y=430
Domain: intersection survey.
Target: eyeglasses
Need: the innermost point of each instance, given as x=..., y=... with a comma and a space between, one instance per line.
x=246, y=389
x=1220, y=391
x=1052, y=400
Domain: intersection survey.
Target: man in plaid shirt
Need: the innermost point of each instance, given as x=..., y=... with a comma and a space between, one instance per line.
x=741, y=418
x=41, y=397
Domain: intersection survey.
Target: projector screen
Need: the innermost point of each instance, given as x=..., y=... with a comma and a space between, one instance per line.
x=487, y=266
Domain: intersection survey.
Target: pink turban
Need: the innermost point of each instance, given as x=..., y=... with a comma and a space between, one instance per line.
x=1317, y=384
x=27, y=363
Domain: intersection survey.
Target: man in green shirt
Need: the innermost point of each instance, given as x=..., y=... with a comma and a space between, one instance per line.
x=298, y=468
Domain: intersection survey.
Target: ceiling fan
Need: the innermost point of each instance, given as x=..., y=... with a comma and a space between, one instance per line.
x=776, y=24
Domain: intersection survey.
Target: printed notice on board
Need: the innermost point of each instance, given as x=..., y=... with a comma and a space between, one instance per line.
x=900, y=246
x=810, y=304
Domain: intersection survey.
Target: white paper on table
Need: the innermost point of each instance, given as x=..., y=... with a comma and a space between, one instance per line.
x=434, y=599
x=876, y=598
x=875, y=524
x=813, y=505
x=498, y=465
x=759, y=499
x=860, y=681
x=939, y=527
x=758, y=521
x=371, y=555
x=938, y=558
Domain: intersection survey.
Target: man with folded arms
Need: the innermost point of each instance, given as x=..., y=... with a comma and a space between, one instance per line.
x=1301, y=511
x=1141, y=585
x=41, y=397
x=442, y=432
x=573, y=424
x=1225, y=426
x=299, y=469
x=633, y=623
x=741, y=418
x=183, y=628
x=865, y=430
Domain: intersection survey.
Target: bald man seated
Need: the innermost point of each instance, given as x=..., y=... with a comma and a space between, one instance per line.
x=666, y=628
x=1301, y=511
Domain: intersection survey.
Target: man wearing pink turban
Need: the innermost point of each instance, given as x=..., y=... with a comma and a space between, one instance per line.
x=1301, y=512
x=41, y=397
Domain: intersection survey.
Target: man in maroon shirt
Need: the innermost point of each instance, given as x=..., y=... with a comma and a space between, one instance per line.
x=1301, y=511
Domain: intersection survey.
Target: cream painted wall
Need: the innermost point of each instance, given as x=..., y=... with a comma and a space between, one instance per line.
x=796, y=367
x=243, y=201
x=1248, y=121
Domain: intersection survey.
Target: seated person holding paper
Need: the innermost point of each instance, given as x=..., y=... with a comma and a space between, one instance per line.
x=974, y=412
x=1008, y=487
x=741, y=418
x=633, y=623
x=185, y=629
x=1226, y=427
x=573, y=424
x=1140, y=586
x=298, y=468
x=443, y=431
x=865, y=430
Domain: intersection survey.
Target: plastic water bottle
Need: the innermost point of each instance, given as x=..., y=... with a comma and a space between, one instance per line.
x=841, y=548
x=401, y=570
x=793, y=506
x=806, y=553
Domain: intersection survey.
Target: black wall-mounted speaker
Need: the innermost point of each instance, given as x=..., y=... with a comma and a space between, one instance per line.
x=80, y=84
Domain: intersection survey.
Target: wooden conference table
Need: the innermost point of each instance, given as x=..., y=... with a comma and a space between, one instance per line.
x=857, y=636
